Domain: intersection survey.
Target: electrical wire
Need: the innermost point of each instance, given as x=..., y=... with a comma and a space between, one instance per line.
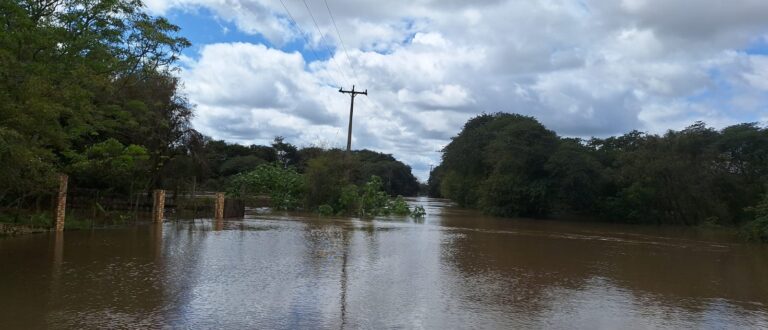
x=341, y=41
x=303, y=35
x=325, y=42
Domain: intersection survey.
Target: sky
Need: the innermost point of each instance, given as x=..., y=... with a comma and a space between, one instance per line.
x=262, y=68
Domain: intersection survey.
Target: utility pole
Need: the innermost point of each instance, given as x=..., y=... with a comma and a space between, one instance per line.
x=352, y=95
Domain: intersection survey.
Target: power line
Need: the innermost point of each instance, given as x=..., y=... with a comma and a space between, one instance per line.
x=341, y=41
x=309, y=45
x=303, y=35
x=325, y=42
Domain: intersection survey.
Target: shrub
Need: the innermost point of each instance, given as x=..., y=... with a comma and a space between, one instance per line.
x=283, y=185
x=398, y=206
x=325, y=210
x=757, y=230
x=373, y=200
x=418, y=212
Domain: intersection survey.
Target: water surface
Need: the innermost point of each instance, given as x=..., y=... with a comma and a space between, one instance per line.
x=454, y=269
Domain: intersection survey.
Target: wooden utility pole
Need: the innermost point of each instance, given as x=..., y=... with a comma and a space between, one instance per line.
x=352, y=95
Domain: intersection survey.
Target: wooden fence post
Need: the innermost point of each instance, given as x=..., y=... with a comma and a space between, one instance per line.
x=219, y=209
x=61, y=203
x=158, y=206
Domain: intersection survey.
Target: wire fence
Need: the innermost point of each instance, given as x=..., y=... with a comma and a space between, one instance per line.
x=93, y=208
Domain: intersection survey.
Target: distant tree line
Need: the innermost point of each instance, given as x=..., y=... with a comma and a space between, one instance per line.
x=511, y=165
x=223, y=161
x=90, y=89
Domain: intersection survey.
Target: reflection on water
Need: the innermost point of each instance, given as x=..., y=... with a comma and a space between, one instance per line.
x=455, y=268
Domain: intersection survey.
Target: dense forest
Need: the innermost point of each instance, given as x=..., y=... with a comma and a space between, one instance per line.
x=90, y=89
x=511, y=165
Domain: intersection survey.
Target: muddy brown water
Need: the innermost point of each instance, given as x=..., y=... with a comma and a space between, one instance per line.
x=454, y=269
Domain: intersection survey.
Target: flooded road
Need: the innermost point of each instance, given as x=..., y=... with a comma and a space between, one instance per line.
x=454, y=269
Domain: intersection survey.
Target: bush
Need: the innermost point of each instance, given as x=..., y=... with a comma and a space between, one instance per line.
x=373, y=200
x=418, y=212
x=399, y=207
x=325, y=210
x=349, y=200
x=757, y=230
x=283, y=185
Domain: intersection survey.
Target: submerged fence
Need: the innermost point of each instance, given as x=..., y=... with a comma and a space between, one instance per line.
x=72, y=202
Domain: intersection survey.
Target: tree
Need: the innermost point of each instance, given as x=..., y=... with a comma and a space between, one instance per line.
x=76, y=73
x=497, y=163
x=286, y=153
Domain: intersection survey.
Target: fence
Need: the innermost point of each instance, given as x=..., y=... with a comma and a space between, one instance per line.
x=99, y=205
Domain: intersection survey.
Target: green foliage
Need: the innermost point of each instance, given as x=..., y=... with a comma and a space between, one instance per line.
x=286, y=153
x=576, y=176
x=497, y=163
x=90, y=88
x=757, y=229
x=373, y=199
x=283, y=185
x=326, y=176
x=398, y=206
x=32, y=219
x=418, y=212
x=325, y=210
x=79, y=75
x=396, y=177
x=109, y=164
x=334, y=177
x=239, y=164
x=349, y=201
x=367, y=201
x=77, y=223
x=24, y=169
x=511, y=165
x=434, y=182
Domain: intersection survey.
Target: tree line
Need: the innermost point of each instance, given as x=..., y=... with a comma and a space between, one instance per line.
x=90, y=88
x=511, y=165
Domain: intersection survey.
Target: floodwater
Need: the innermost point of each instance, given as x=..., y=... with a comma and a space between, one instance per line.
x=454, y=269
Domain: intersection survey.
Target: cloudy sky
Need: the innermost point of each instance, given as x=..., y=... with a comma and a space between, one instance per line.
x=262, y=68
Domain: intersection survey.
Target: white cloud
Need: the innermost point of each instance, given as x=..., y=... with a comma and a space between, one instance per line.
x=240, y=87
x=583, y=68
x=758, y=75
x=442, y=97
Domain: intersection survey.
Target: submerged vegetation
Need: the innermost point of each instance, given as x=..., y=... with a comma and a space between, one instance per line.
x=757, y=229
x=290, y=190
x=511, y=165
x=283, y=185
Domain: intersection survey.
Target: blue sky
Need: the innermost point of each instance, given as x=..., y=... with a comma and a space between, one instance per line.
x=583, y=68
x=201, y=26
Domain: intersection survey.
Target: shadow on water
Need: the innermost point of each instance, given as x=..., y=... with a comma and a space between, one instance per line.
x=454, y=268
